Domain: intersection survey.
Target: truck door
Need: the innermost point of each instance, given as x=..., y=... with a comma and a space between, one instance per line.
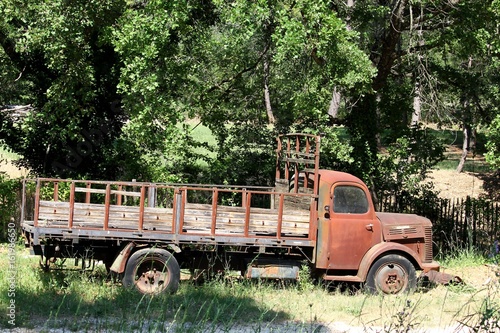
x=353, y=225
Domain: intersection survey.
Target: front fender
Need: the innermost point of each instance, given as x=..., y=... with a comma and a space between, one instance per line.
x=386, y=248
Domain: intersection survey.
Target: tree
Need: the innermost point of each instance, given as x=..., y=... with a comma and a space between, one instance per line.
x=70, y=71
x=113, y=83
x=406, y=40
x=463, y=63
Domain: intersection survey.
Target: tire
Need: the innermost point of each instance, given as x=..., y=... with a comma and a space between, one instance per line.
x=152, y=271
x=390, y=275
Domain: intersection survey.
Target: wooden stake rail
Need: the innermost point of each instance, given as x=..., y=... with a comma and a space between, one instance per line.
x=96, y=205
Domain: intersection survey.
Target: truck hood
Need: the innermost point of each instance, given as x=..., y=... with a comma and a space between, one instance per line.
x=403, y=226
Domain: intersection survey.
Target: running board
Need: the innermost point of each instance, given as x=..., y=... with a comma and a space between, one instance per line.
x=345, y=278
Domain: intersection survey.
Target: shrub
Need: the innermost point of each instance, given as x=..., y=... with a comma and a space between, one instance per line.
x=8, y=202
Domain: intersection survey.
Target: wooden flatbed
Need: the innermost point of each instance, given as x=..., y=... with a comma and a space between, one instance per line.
x=69, y=209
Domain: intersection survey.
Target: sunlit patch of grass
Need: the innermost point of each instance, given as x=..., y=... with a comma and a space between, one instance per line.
x=471, y=165
x=7, y=154
x=6, y=163
x=468, y=257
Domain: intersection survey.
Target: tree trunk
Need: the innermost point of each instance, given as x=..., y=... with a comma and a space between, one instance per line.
x=465, y=147
x=267, y=98
x=467, y=120
x=384, y=57
x=333, y=110
x=417, y=106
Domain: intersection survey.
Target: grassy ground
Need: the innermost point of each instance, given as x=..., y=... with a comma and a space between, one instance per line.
x=6, y=158
x=92, y=301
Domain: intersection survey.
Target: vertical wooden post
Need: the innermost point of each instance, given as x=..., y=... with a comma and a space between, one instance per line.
x=37, y=203
x=87, y=195
x=296, y=167
x=119, y=196
x=247, y=213
x=280, y=215
x=141, y=207
x=287, y=168
x=215, y=195
x=181, y=205
x=176, y=210
x=278, y=155
x=71, y=205
x=151, y=195
x=243, y=197
x=107, y=201
x=56, y=191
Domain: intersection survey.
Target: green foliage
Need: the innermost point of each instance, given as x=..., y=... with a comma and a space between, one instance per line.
x=486, y=318
x=405, y=319
x=244, y=157
x=305, y=283
x=458, y=257
x=71, y=71
x=9, y=190
x=114, y=82
x=311, y=28
x=493, y=144
x=407, y=163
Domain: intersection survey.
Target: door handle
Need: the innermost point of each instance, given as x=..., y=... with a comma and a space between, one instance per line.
x=369, y=227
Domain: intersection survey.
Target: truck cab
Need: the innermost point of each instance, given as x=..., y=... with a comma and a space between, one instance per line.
x=356, y=243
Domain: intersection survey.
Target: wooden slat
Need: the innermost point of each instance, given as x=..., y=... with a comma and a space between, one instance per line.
x=89, y=190
x=228, y=219
x=127, y=193
x=191, y=206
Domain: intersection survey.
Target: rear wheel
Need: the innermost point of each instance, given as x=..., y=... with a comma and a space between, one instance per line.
x=152, y=271
x=391, y=274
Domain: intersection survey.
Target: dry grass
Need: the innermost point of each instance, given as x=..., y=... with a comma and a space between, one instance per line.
x=436, y=307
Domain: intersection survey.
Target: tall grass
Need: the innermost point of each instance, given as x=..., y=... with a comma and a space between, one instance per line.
x=92, y=301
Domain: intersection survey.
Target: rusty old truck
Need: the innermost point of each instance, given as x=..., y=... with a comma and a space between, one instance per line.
x=145, y=233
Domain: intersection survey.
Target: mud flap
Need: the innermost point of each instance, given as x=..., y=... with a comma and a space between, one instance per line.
x=118, y=265
x=440, y=278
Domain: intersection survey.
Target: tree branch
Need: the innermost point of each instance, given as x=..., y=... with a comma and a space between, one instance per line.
x=239, y=74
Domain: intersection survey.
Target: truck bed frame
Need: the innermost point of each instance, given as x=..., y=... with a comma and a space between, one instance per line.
x=104, y=214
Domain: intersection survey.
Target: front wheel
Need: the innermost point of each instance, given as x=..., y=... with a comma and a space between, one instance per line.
x=152, y=271
x=391, y=274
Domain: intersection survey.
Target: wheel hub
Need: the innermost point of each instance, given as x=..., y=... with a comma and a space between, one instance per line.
x=152, y=281
x=391, y=279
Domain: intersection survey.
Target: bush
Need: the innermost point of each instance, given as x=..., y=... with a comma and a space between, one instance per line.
x=9, y=189
x=493, y=145
x=404, y=168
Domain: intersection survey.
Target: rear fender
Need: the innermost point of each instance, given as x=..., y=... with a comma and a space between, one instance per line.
x=120, y=262
x=382, y=249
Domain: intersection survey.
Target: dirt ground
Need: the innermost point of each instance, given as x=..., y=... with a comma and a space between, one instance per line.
x=451, y=184
x=12, y=170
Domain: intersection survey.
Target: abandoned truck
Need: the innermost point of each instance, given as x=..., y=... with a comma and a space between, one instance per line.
x=146, y=232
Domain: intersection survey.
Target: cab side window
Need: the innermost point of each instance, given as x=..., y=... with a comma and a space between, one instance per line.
x=349, y=200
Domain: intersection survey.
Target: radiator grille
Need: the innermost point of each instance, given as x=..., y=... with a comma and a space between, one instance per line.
x=428, y=245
